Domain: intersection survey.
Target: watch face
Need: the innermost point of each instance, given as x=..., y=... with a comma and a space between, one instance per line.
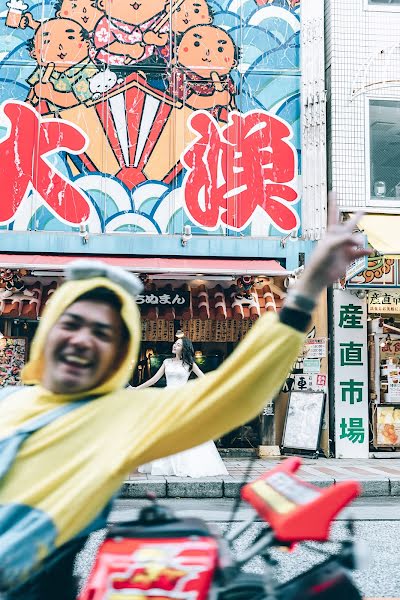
x=304, y=303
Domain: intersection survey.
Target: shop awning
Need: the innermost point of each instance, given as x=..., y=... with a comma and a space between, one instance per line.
x=184, y=266
x=382, y=232
x=217, y=301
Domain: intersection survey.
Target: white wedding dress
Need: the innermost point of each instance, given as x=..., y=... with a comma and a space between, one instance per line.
x=201, y=461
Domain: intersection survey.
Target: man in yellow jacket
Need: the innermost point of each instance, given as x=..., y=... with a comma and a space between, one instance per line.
x=72, y=434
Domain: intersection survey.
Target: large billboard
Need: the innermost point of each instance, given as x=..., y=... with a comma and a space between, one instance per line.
x=147, y=116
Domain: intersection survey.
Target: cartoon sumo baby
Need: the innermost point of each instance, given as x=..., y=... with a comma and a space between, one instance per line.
x=205, y=57
x=185, y=15
x=61, y=49
x=84, y=12
x=130, y=31
x=190, y=13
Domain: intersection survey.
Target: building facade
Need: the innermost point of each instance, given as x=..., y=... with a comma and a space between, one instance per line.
x=363, y=84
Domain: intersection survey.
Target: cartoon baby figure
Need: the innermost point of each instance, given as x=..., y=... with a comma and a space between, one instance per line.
x=130, y=31
x=205, y=57
x=61, y=48
x=84, y=12
x=188, y=14
x=184, y=15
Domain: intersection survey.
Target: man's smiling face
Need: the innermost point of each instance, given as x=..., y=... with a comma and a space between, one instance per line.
x=60, y=41
x=83, y=348
x=134, y=12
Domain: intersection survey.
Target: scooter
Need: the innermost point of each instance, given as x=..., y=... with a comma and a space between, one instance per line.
x=163, y=557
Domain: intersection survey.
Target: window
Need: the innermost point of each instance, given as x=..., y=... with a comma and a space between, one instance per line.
x=384, y=128
x=384, y=2
x=383, y=5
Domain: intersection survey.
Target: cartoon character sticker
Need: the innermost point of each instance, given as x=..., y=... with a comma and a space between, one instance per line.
x=129, y=32
x=205, y=56
x=103, y=82
x=84, y=12
x=170, y=571
x=61, y=48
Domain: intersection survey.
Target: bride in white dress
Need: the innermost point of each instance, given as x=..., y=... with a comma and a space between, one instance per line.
x=203, y=460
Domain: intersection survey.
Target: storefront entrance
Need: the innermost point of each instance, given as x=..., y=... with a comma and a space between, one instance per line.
x=367, y=370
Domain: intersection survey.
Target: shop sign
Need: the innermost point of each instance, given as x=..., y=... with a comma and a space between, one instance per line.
x=164, y=298
x=315, y=348
x=359, y=265
x=391, y=348
x=268, y=410
x=393, y=391
x=381, y=272
x=312, y=365
x=384, y=302
x=351, y=375
x=315, y=382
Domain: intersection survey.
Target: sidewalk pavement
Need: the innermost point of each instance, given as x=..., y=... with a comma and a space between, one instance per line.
x=378, y=477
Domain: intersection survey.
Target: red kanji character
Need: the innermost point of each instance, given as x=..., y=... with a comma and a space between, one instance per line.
x=24, y=167
x=232, y=170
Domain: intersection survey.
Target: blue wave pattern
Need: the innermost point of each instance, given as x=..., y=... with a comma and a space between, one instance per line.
x=268, y=77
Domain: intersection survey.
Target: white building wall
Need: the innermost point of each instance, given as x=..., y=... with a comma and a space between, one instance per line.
x=313, y=102
x=362, y=62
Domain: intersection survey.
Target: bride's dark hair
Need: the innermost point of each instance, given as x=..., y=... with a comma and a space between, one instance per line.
x=187, y=352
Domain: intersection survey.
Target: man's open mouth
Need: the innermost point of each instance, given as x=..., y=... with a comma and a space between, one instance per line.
x=62, y=55
x=85, y=19
x=76, y=361
x=136, y=5
x=186, y=21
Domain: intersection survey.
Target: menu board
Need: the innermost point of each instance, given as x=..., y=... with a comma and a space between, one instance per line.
x=315, y=348
x=12, y=359
x=303, y=420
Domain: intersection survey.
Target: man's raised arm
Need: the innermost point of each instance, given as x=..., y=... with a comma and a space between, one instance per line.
x=239, y=389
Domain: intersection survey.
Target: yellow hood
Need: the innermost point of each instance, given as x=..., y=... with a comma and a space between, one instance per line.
x=64, y=297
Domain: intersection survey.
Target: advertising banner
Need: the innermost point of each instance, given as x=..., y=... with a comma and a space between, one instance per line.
x=145, y=117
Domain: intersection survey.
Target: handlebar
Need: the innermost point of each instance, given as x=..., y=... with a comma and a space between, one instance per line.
x=296, y=510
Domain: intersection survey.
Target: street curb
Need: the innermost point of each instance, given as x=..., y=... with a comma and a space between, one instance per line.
x=395, y=487
x=229, y=487
x=180, y=487
x=141, y=487
x=372, y=487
